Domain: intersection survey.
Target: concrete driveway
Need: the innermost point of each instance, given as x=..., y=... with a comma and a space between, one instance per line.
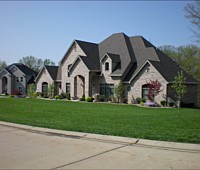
x=26, y=147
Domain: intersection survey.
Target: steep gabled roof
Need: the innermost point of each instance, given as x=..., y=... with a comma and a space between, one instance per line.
x=53, y=71
x=131, y=52
x=26, y=70
x=169, y=68
x=91, y=59
x=118, y=44
x=114, y=57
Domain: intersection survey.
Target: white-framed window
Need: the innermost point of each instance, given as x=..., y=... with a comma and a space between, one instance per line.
x=17, y=79
x=22, y=79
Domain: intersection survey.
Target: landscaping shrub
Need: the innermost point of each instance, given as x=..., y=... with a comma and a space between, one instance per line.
x=44, y=94
x=63, y=95
x=138, y=100
x=57, y=97
x=163, y=102
x=102, y=98
x=171, y=104
x=37, y=94
x=142, y=100
x=68, y=96
x=108, y=98
x=82, y=98
x=16, y=92
x=141, y=104
x=96, y=97
x=125, y=101
x=89, y=99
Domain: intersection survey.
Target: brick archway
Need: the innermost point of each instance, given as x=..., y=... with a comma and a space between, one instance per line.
x=79, y=86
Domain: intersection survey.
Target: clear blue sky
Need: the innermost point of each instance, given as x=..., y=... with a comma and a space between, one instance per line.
x=46, y=29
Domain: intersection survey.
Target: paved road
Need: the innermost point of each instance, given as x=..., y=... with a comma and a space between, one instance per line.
x=23, y=147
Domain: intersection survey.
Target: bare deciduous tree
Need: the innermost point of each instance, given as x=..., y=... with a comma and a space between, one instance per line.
x=193, y=14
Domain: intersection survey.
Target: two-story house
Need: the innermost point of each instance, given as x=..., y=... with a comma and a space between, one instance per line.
x=90, y=68
x=14, y=77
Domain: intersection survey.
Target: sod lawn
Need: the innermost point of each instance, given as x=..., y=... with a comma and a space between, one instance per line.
x=165, y=124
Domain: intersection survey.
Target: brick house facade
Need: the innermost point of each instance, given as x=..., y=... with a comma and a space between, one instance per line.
x=16, y=77
x=88, y=68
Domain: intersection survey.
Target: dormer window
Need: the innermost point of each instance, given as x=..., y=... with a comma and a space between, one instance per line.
x=106, y=66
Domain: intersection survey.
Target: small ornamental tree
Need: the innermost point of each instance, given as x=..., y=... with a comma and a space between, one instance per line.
x=179, y=86
x=119, y=91
x=51, y=90
x=154, y=88
x=31, y=91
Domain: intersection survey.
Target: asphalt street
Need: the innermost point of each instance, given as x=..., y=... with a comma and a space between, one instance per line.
x=26, y=147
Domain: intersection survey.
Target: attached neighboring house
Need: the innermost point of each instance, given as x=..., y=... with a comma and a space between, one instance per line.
x=89, y=68
x=16, y=76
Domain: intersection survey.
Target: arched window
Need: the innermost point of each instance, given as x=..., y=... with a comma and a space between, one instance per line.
x=106, y=66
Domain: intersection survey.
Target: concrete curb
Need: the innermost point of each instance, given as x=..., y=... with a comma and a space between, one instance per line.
x=109, y=139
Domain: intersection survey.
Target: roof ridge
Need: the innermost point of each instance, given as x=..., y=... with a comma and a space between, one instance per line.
x=85, y=42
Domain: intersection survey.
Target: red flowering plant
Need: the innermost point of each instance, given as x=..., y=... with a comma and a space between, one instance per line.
x=16, y=92
x=154, y=88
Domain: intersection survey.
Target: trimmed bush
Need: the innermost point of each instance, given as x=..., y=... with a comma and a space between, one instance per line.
x=138, y=100
x=89, y=99
x=163, y=102
x=68, y=96
x=125, y=101
x=63, y=95
x=37, y=94
x=57, y=97
x=171, y=104
x=102, y=98
x=142, y=100
x=82, y=98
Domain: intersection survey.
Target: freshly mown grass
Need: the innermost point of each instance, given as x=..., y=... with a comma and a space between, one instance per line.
x=110, y=119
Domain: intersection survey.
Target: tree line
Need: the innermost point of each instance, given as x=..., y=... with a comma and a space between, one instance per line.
x=32, y=62
x=187, y=57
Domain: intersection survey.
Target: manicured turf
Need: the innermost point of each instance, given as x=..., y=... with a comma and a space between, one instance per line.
x=110, y=119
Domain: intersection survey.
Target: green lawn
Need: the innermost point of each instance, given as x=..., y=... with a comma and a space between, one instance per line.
x=110, y=119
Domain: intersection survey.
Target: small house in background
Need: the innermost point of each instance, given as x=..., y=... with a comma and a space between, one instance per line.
x=15, y=78
x=49, y=75
x=89, y=68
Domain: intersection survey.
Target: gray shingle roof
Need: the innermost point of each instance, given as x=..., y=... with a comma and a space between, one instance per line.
x=132, y=52
x=26, y=70
x=114, y=57
x=53, y=71
x=92, y=52
x=117, y=44
x=169, y=68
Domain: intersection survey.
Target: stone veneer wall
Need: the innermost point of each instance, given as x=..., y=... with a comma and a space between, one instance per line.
x=80, y=70
x=44, y=77
x=73, y=53
x=145, y=75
